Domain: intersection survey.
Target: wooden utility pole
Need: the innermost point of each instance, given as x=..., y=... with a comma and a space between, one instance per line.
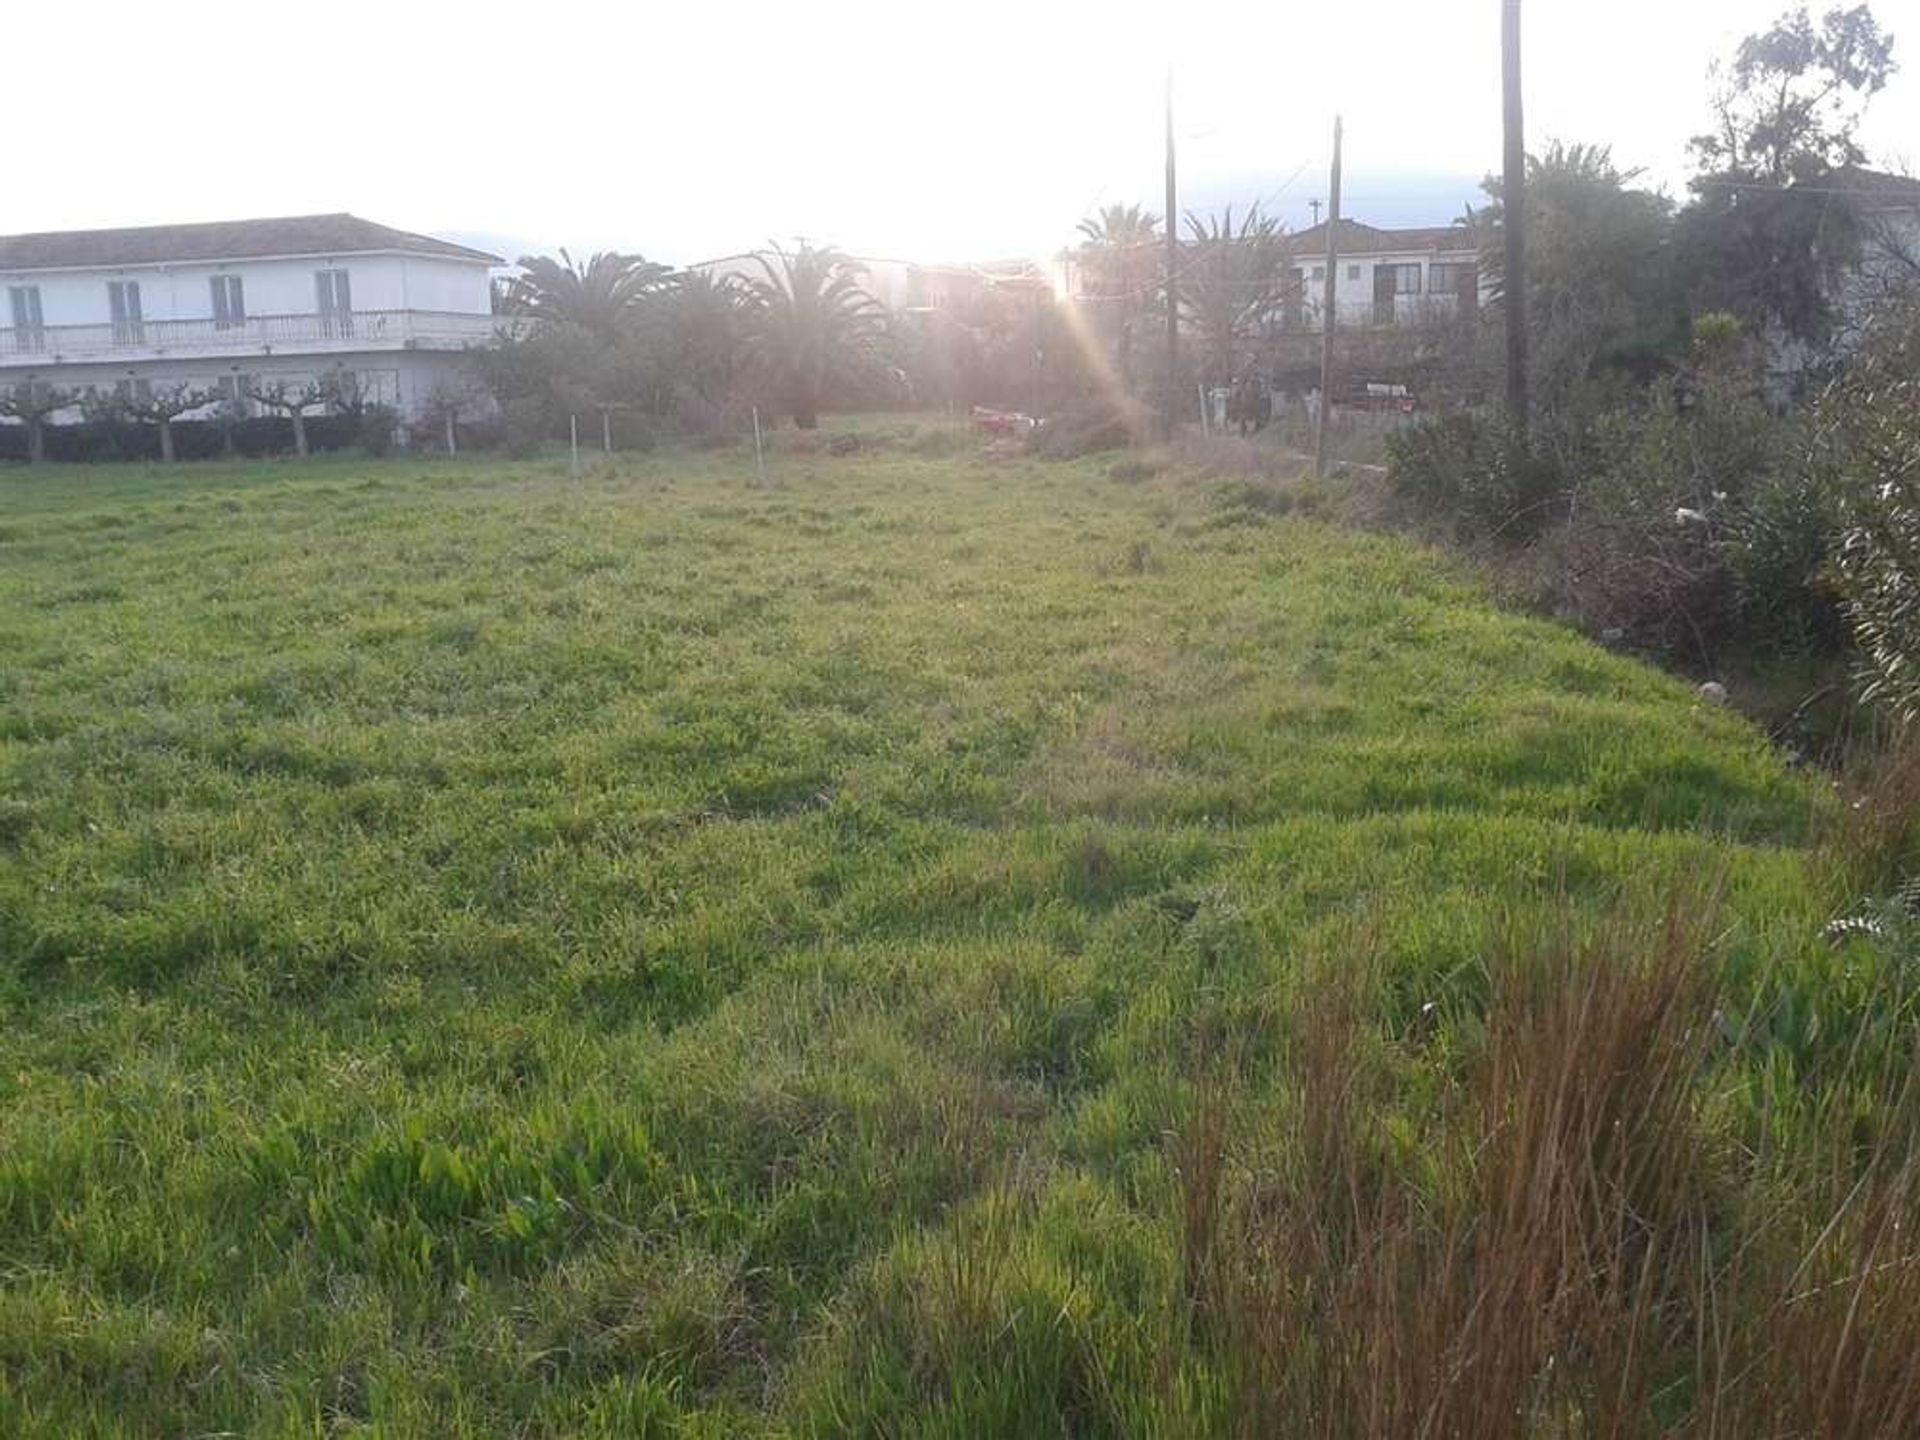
x=1328, y=318
x=1513, y=213
x=1173, y=263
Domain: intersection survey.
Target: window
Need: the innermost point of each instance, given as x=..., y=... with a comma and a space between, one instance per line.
x=1389, y=283
x=1453, y=277
x=334, y=300
x=1403, y=279
x=1353, y=272
x=123, y=301
x=129, y=392
x=29, y=329
x=1319, y=272
x=229, y=302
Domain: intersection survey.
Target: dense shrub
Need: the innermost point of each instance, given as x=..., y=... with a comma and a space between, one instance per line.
x=1694, y=528
x=1091, y=428
x=378, y=429
x=1680, y=519
x=1476, y=472
x=97, y=441
x=523, y=426
x=1778, y=550
x=1871, y=419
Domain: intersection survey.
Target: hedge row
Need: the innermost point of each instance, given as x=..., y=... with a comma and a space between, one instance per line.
x=103, y=440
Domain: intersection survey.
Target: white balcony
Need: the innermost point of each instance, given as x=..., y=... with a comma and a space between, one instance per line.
x=357, y=330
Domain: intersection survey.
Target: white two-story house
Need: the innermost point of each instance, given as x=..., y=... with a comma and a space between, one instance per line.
x=1383, y=277
x=243, y=305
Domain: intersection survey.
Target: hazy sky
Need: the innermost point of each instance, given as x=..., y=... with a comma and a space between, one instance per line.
x=935, y=132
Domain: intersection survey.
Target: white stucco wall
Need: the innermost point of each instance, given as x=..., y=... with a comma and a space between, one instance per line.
x=1353, y=286
x=271, y=287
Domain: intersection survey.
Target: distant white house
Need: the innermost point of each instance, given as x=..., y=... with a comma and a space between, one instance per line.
x=1383, y=277
x=243, y=304
x=1888, y=209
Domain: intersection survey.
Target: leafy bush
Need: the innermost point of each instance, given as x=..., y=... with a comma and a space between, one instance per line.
x=378, y=427
x=523, y=426
x=1694, y=531
x=1872, y=419
x=1479, y=472
x=1092, y=428
x=1778, y=550
x=1679, y=519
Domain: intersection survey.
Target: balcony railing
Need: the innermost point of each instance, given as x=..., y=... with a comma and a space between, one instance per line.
x=255, y=335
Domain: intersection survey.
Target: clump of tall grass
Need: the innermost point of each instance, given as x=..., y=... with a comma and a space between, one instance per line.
x=1873, y=844
x=1567, y=1235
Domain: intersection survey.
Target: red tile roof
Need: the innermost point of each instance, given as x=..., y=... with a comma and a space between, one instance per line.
x=1358, y=239
x=221, y=240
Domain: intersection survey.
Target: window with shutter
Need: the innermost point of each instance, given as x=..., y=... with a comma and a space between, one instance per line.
x=335, y=301
x=229, y=302
x=29, y=332
x=123, y=302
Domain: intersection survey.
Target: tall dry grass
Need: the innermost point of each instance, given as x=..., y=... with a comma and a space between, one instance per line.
x=1572, y=1240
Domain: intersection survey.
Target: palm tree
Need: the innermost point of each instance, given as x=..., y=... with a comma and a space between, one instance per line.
x=706, y=320
x=1232, y=279
x=603, y=296
x=813, y=328
x=1121, y=249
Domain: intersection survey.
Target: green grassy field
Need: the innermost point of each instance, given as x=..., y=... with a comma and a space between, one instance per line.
x=486, y=953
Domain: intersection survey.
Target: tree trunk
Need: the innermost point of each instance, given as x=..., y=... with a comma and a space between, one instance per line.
x=166, y=442
x=36, y=440
x=300, y=434
x=453, y=445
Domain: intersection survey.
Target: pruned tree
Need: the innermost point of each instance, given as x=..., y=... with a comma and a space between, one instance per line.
x=1233, y=278
x=31, y=402
x=451, y=400
x=813, y=329
x=161, y=405
x=292, y=401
